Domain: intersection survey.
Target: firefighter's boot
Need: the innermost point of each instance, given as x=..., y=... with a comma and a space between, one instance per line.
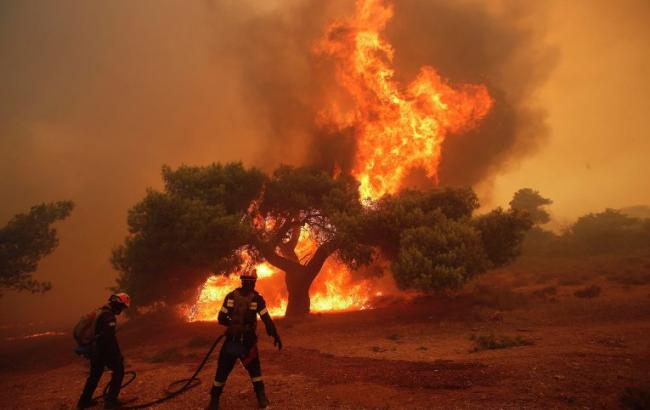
x=214, y=402
x=262, y=401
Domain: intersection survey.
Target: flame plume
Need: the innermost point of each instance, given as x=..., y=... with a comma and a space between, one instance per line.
x=396, y=128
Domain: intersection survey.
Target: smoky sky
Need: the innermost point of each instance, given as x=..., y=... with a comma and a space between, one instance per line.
x=467, y=42
x=96, y=96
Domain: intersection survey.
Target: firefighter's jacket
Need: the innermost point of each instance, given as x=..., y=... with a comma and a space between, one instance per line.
x=239, y=314
x=106, y=342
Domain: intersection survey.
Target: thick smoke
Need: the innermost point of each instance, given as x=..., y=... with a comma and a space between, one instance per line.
x=502, y=48
x=468, y=42
x=98, y=95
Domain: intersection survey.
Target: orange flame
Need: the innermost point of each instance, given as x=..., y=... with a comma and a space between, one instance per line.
x=396, y=129
x=332, y=291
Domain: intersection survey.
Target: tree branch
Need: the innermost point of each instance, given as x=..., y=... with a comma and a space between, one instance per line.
x=287, y=265
x=288, y=249
x=315, y=264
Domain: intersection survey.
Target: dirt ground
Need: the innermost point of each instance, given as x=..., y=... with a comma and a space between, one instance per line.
x=578, y=352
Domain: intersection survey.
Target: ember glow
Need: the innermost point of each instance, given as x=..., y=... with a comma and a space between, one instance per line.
x=397, y=129
x=36, y=335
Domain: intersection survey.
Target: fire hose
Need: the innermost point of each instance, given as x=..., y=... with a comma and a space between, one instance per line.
x=187, y=384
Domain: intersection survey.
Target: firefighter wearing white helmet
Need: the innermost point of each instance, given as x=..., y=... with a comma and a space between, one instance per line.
x=104, y=351
x=239, y=314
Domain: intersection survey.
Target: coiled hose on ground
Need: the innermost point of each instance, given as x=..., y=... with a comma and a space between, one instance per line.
x=169, y=392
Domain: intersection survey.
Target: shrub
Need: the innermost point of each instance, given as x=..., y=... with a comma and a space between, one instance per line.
x=588, y=292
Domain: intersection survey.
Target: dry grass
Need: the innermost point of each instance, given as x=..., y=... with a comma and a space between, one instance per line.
x=636, y=398
x=547, y=293
x=171, y=354
x=198, y=342
x=498, y=298
x=493, y=342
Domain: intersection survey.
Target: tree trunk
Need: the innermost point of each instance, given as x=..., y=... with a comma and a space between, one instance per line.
x=298, y=284
x=297, y=277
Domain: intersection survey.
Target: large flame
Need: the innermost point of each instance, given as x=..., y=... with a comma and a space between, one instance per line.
x=332, y=291
x=397, y=128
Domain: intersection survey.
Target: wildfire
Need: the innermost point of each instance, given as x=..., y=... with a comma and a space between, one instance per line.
x=332, y=291
x=397, y=129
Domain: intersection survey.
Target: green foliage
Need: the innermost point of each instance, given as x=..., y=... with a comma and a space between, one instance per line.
x=179, y=236
x=433, y=242
x=539, y=241
x=610, y=231
x=206, y=215
x=291, y=191
x=25, y=240
x=328, y=207
x=493, y=342
x=502, y=233
x=394, y=214
x=530, y=201
x=230, y=186
x=440, y=256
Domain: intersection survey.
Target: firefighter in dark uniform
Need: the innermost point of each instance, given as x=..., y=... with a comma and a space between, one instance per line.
x=239, y=314
x=105, y=352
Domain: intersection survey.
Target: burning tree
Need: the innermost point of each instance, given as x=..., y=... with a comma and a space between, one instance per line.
x=208, y=219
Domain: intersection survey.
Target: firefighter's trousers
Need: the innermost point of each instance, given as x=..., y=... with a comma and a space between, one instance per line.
x=230, y=353
x=97, y=363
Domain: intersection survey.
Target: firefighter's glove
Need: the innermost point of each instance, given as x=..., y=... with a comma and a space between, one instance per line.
x=277, y=342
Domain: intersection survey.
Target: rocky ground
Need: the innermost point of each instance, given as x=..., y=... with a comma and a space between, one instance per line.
x=559, y=350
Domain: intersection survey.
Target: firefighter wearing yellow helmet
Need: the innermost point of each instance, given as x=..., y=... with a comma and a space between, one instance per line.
x=95, y=334
x=239, y=314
